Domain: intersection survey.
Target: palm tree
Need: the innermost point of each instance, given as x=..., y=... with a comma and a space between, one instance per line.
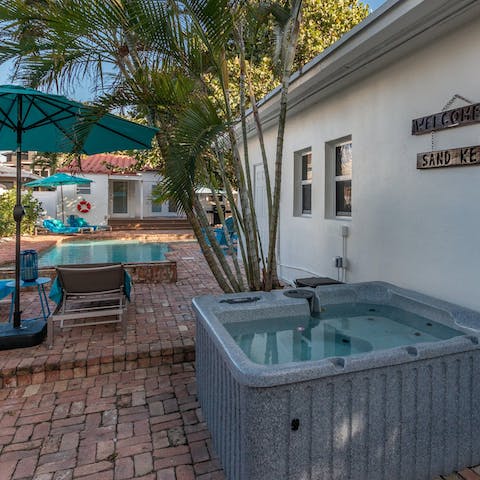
x=46, y=162
x=169, y=61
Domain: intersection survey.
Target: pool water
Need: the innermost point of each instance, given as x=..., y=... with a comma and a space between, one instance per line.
x=94, y=251
x=340, y=330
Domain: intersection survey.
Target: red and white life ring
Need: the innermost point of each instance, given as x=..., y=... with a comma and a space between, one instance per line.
x=84, y=206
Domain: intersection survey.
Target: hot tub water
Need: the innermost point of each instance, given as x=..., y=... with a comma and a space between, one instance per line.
x=339, y=330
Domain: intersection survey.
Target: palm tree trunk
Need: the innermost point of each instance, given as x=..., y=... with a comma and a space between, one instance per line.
x=229, y=241
x=253, y=272
x=290, y=44
x=202, y=218
x=207, y=252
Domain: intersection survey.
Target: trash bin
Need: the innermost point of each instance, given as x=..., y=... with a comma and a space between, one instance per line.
x=28, y=265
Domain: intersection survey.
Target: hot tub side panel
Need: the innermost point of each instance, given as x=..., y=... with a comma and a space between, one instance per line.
x=221, y=400
x=412, y=421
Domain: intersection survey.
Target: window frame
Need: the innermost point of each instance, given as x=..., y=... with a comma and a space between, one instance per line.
x=332, y=179
x=300, y=182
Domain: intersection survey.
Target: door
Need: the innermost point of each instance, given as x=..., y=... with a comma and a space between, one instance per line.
x=120, y=198
x=261, y=205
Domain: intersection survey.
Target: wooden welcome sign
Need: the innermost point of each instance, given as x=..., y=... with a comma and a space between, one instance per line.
x=455, y=157
x=457, y=117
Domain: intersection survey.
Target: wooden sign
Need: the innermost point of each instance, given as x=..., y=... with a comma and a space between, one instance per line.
x=457, y=117
x=456, y=157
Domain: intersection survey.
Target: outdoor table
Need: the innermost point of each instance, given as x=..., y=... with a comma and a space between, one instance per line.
x=40, y=283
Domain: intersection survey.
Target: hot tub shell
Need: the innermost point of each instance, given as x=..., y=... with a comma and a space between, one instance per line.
x=406, y=413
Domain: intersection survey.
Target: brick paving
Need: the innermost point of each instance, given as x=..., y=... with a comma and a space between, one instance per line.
x=160, y=330
x=143, y=424
x=97, y=408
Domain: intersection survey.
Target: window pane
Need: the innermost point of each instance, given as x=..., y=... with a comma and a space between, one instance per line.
x=156, y=207
x=83, y=189
x=307, y=166
x=343, y=160
x=343, y=198
x=306, y=198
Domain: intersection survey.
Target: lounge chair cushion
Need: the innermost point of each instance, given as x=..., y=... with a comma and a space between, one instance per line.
x=85, y=281
x=56, y=226
x=86, y=292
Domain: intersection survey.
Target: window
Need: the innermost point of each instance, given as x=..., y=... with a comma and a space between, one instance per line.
x=343, y=180
x=303, y=182
x=338, y=177
x=84, y=189
x=307, y=183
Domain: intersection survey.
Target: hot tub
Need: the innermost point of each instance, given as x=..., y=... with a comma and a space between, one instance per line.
x=405, y=407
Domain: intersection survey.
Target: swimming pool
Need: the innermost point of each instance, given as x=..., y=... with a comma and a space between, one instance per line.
x=100, y=251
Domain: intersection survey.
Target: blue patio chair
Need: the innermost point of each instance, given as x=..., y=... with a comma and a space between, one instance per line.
x=56, y=226
x=75, y=221
x=221, y=237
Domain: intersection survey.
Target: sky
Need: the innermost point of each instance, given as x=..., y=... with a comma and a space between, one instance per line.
x=374, y=4
x=84, y=93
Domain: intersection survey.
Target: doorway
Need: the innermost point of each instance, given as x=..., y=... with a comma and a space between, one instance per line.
x=120, y=198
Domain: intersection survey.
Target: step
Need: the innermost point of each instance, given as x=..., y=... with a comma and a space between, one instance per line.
x=150, y=224
x=58, y=366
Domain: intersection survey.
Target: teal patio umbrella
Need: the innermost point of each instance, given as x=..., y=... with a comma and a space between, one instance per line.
x=59, y=180
x=35, y=121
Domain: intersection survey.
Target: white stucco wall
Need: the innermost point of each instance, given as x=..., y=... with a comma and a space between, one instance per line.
x=48, y=201
x=417, y=229
x=98, y=199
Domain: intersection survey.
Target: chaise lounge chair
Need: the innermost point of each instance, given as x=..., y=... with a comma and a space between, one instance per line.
x=56, y=226
x=88, y=292
x=80, y=222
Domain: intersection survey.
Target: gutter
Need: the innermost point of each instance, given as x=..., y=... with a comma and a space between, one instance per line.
x=392, y=31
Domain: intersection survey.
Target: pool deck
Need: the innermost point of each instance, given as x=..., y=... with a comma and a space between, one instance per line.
x=97, y=408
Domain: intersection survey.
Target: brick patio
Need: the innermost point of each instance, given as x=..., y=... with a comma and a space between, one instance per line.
x=95, y=408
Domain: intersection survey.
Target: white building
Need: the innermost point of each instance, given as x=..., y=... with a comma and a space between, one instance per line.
x=116, y=191
x=8, y=177
x=350, y=158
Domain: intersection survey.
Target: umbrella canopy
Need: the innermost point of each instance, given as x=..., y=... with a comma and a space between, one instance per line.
x=59, y=180
x=31, y=120
x=53, y=123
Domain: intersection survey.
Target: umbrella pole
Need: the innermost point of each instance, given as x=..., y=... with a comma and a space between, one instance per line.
x=63, y=207
x=18, y=214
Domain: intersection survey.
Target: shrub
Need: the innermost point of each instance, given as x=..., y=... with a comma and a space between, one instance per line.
x=32, y=211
